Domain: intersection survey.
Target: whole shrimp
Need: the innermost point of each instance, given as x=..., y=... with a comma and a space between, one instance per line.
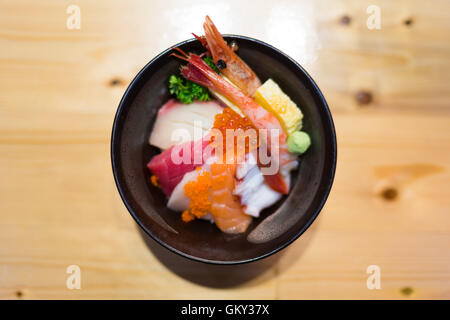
x=198, y=71
x=234, y=68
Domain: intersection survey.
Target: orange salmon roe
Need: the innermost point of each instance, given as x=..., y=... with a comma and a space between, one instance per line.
x=154, y=181
x=229, y=119
x=198, y=191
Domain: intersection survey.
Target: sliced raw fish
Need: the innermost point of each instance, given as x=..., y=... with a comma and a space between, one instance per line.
x=226, y=208
x=178, y=200
x=172, y=164
x=177, y=122
x=254, y=193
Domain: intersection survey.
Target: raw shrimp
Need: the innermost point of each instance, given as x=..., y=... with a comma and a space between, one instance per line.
x=198, y=71
x=235, y=69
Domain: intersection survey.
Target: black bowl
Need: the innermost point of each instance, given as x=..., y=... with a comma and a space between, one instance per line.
x=278, y=225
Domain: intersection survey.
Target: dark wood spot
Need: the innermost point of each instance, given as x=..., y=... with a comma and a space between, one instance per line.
x=116, y=82
x=389, y=194
x=345, y=20
x=363, y=97
x=408, y=22
x=19, y=294
x=407, y=291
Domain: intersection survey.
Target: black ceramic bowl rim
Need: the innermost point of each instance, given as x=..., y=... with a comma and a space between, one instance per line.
x=316, y=92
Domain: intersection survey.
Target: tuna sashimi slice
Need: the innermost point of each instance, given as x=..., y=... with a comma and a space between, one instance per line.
x=172, y=164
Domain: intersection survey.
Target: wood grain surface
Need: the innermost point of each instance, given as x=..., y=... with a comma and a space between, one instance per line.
x=389, y=93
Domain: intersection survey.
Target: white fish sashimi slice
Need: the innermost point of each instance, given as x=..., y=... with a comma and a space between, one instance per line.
x=253, y=191
x=243, y=168
x=177, y=122
x=178, y=201
x=250, y=183
x=263, y=198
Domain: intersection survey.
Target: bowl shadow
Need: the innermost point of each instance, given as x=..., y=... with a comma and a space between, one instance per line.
x=229, y=276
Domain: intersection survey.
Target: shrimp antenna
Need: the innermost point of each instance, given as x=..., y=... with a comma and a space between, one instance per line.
x=202, y=40
x=183, y=55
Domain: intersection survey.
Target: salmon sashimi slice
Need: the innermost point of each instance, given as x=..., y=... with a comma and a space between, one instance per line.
x=226, y=208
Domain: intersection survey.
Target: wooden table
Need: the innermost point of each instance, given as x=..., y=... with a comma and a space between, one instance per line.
x=389, y=93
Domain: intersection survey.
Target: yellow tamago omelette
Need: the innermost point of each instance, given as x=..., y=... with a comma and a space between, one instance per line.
x=273, y=99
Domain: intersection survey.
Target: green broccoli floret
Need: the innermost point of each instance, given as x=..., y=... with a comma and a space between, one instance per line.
x=187, y=91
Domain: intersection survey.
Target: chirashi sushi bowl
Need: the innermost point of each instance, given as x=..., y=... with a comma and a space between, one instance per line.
x=202, y=205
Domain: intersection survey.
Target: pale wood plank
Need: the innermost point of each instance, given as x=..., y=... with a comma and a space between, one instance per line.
x=59, y=205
